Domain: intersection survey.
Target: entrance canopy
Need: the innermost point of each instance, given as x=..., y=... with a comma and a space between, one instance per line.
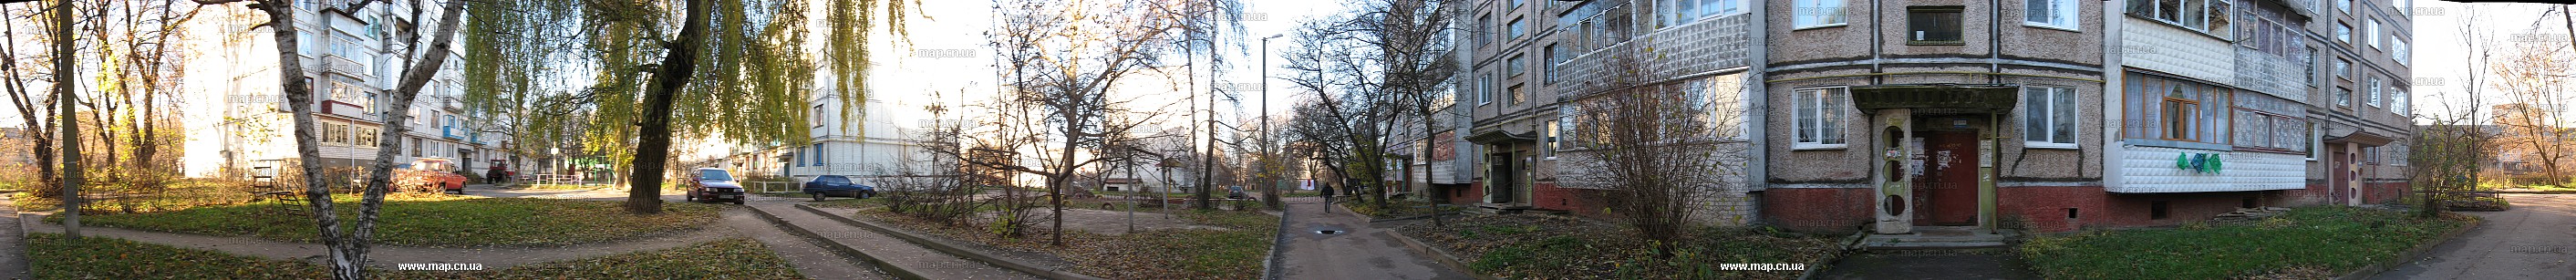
x=1937, y=98
x=1499, y=136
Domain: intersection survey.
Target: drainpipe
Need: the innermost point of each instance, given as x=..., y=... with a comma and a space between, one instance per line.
x=1877, y=42
x=1993, y=142
x=1758, y=96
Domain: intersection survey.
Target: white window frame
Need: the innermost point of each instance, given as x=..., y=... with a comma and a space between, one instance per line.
x=1485, y=89
x=2050, y=99
x=1548, y=140
x=1668, y=13
x=2397, y=102
x=1818, y=13
x=2062, y=13
x=2399, y=52
x=1804, y=142
x=2372, y=30
x=2375, y=86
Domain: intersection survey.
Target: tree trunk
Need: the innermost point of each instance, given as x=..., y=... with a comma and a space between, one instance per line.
x=653, y=146
x=389, y=141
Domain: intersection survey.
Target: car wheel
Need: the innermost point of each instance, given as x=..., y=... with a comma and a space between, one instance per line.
x=818, y=196
x=737, y=202
x=691, y=196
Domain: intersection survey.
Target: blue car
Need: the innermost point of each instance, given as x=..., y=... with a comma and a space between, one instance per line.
x=836, y=185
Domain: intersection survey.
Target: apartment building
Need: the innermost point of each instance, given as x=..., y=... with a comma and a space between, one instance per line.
x=1884, y=116
x=237, y=120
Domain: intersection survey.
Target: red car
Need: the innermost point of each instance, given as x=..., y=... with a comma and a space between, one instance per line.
x=428, y=175
x=713, y=185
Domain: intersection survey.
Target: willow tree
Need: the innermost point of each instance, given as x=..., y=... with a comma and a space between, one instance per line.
x=740, y=65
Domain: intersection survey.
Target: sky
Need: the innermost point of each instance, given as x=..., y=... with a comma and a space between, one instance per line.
x=947, y=53
x=2442, y=58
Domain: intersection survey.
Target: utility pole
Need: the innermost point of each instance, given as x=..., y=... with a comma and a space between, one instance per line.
x=1269, y=160
x=63, y=87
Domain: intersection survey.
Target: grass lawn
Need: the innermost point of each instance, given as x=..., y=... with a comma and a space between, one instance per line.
x=2309, y=242
x=109, y=258
x=1548, y=247
x=431, y=221
x=1236, y=253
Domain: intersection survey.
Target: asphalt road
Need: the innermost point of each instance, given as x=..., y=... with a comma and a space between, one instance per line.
x=2534, y=240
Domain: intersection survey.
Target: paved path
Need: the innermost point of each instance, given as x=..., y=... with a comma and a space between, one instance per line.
x=1354, y=251
x=903, y=255
x=1928, y=266
x=13, y=246
x=2534, y=240
x=806, y=255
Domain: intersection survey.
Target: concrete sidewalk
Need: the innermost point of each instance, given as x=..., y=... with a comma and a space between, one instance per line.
x=2531, y=241
x=13, y=243
x=808, y=256
x=898, y=257
x=1341, y=245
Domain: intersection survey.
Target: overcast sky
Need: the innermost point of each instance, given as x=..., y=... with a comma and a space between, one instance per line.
x=2442, y=58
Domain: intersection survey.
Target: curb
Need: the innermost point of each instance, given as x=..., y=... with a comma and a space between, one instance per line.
x=953, y=249
x=836, y=247
x=2411, y=254
x=1270, y=264
x=1438, y=255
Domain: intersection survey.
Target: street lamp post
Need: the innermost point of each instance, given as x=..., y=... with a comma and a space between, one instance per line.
x=1271, y=188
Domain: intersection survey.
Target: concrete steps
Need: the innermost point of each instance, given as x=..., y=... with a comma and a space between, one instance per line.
x=901, y=258
x=1941, y=238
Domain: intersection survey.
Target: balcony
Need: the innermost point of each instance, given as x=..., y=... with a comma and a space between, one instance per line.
x=345, y=66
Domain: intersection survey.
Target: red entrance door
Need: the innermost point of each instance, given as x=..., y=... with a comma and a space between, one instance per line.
x=1946, y=194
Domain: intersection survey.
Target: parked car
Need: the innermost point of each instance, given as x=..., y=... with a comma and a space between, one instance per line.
x=427, y=175
x=713, y=185
x=1234, y=192
x=837, y=185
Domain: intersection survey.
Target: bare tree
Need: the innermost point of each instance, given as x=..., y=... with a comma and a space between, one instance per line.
x=1660, y=151
x=1061, y=62
x=2533, y=78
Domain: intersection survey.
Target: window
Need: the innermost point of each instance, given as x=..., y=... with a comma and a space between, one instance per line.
x=415, y=147
x=2397, y=50
x=819, y=155
x=2206, y=16
x=1554, y=54
x=1485, y=89
x=2343, y=32
x=1484, y=22
x=818, y=115
x=2309, y=58
x=2174, y=112
x=1515, y=4
x=1678, y=12
x=2397, y=101
x=2343, y=68
x=1820, y=117
x=2343, y=97
x=2178, y=117
x=415, y=116
x=2374, y=88
x=2372, y=30
x=1512, y=67
x=2344, y=5
x=2058, y=14
x=1933, y=24
x=366, y=137
x=1818, y=13
x=1549, y=138
x=1518, y=95
x=1517, y=27
x=2048, y=117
